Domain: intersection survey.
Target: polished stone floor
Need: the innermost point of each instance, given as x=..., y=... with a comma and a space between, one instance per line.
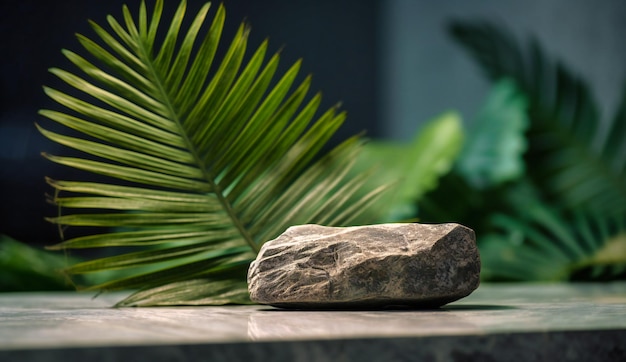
x=592, y=317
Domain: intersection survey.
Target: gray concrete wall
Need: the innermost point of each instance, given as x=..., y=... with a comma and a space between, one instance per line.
x=423, y=72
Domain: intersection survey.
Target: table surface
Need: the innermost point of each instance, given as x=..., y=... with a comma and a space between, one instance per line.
x=66, y=319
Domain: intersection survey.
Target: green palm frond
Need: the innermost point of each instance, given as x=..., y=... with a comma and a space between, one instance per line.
x=539, y=243
x=577, y=163
x=203, y=160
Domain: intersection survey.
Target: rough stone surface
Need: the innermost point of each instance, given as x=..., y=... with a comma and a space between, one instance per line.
x=377, y=266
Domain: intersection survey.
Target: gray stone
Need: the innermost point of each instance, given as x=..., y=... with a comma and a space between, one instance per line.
x=318, y=267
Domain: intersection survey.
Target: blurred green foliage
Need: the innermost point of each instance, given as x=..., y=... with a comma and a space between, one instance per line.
x=24, y=268
x=412, y=168
x=541, y=178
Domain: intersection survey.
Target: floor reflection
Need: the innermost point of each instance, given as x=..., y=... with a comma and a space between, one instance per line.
x=266, y=324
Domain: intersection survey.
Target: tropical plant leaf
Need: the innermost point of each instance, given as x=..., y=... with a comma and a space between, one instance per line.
x=519, y=235
x=493, y=152
x=229, y=288
x=575, y=162
x=27, y=268
x=200, y=160
x=540, y=243
x=491, y=158
x=412, y=168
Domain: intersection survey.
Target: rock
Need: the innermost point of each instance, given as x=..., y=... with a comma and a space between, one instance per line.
x=361, y=267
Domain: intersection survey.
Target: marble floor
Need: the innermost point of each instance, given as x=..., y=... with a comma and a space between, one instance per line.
x=34, y=325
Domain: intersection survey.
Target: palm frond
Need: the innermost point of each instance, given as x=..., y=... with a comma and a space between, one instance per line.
x=201, y=160
x=540, y=243
x=568, y=152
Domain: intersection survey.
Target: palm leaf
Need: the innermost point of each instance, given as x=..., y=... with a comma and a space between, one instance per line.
x=577, y=164
x=539, y=243
x=200, y=161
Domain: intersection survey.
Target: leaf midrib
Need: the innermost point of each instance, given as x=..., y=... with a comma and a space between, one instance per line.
x=206, y=172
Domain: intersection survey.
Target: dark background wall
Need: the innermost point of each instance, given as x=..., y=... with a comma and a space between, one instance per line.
x=336, y=39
